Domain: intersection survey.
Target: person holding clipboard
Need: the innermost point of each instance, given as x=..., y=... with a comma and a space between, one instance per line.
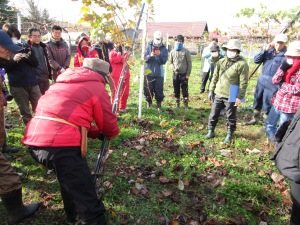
x=228, y=88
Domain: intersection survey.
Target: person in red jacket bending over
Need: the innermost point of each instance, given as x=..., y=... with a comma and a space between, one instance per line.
x=117, y=58
x=56, y=135
x=84, y=50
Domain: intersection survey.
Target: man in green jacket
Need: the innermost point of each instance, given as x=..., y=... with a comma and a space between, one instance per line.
x=231, y=71
x=181, y=62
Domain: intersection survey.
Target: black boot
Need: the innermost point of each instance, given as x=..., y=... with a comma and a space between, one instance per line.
x=17, y=211
x=210, y=134
x=177, y=102
x=229, y=137
x=255, y=118
x=159, y=106
x=149, y=104
x=186, y=103
x=5, y=149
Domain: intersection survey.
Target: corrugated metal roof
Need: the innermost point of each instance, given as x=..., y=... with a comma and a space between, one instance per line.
x=187, y=29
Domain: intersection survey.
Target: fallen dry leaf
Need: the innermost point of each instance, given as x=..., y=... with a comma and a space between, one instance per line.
x=163, y=179
x=167, y=193
x=135, y=190
x=170, y=131
x=261, y=173
x=107, y=184
x=163, y=123
x=277, y=177
x=180, y=185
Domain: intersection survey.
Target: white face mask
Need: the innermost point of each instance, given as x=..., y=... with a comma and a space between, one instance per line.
x=156, y=41
x=231, y=54
x=215, y=54
x=15, y=40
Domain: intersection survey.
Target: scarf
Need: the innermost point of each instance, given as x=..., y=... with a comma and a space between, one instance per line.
x=291, y=71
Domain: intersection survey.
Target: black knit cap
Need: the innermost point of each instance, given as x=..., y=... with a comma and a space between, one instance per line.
x=179, y=37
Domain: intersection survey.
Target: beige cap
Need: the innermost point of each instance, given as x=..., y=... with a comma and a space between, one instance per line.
x=281, y=38
x=233, y=44
x=157, y=34
x=293, y=49
x=97, y=65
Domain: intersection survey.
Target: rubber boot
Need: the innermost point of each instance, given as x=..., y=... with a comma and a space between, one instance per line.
x=228, y=137
x=159, y=106
x=210, y=134
x=17, y=211
x=255, y=118
x=149, y=104
x=177, y=102
x=5, y=149
x=186, y=104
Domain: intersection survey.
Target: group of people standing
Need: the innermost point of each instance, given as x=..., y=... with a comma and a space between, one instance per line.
x=276, y=100
x=63, y=116
x=78, y=97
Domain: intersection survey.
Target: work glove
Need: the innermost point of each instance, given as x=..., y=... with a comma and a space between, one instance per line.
x=93, y=132
x=286, y=64
x=62, y=70
x=211, y=96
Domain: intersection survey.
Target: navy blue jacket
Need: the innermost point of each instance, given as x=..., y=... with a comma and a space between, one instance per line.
x=155, y=63
x=270, y=60
x=22, y=73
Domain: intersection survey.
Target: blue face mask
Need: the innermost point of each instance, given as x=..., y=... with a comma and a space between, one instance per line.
x=178, y=46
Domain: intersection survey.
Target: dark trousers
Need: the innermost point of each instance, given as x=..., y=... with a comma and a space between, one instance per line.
x=44, y=86
x=205, y=76
x=263, y=94
x=180, y=81
x=73, y=174
x=218, y=105
x=23, y=96
x=9, y=179
x=295, y=195
x=154, y=86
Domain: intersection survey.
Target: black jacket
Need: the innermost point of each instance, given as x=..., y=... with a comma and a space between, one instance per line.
x=21, y=73
x=287, y=151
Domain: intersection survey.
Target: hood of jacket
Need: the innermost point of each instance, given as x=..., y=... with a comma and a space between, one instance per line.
x=79, y=74
x=79, y=43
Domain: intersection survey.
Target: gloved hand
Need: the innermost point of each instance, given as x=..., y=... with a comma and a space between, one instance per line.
x=211, y=96
x=18, y=57
x=93, y=132
x=62, y=70
x=286, y=64
x=282, y=130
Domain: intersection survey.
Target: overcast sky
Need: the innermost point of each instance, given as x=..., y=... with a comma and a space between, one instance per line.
x=217, y=13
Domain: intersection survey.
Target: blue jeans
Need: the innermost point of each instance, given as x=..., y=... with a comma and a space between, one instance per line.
x=264, y=92
x=274, y=116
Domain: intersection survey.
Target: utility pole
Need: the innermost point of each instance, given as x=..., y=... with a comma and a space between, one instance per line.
x=142, y=74
x=19, y=21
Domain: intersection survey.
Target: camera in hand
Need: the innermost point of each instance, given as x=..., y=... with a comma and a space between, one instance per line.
x=6, y=93
x=26, y=48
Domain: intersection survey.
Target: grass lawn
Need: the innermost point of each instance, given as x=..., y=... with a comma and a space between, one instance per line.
x=167, y=173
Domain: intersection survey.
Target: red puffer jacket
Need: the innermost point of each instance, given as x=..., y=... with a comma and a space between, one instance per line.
x=79, y=97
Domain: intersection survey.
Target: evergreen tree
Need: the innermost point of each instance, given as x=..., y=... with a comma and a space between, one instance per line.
x=7, y=13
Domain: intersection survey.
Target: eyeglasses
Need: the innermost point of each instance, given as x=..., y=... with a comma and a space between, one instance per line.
x=36, y=36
